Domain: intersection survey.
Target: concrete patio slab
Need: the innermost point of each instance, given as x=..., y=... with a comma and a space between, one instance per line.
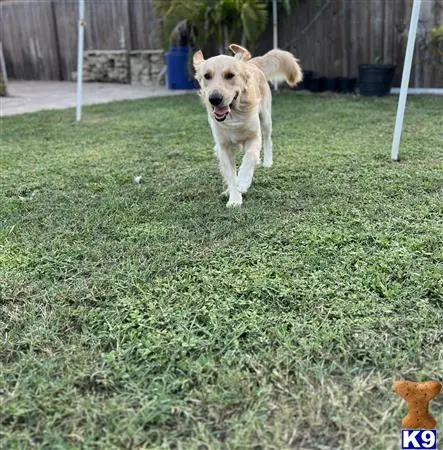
x=31, y=96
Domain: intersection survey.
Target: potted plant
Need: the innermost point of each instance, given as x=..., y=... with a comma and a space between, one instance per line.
x=331, y=84
x=346, y=85
x=307, y=75
x=317, y=84
x=376, y=79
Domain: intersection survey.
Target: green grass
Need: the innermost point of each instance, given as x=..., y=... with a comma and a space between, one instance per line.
x=150, y=316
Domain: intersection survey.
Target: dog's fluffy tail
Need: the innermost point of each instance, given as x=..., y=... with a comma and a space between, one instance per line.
x=279, y=65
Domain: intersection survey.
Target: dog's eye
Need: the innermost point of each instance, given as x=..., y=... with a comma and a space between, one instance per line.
x=207, y=76
x=229, y=76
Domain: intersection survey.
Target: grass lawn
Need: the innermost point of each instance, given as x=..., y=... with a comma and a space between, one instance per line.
x=150, y=316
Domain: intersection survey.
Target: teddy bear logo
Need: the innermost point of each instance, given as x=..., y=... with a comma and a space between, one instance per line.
x=418, y=396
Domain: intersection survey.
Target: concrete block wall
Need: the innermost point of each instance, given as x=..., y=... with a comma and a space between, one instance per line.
x=121, y=66
x=145, y=65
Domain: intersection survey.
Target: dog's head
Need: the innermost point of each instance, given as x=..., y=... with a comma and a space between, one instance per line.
x=222, y=80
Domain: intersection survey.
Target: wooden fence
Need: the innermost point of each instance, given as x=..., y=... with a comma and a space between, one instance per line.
x=40, y=36
x=331, y=37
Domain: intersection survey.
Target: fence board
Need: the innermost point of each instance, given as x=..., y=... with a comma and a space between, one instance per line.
x=423, y=53
x=335, y=55
x=144, y=25
x=353, y=42
x=28, y=36
x=400, y=38
x=388, y=35
x=364, y=31
x=66, y=13
x=377, y=30
x=345, y=31
x=107, y=25
x=435, y=73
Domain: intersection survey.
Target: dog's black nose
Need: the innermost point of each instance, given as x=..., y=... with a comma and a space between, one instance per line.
x=215, y=98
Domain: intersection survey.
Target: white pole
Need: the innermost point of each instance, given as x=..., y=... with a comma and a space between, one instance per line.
x=81, y=39
x=275, y=31
x=3, y=72
x=405, y=79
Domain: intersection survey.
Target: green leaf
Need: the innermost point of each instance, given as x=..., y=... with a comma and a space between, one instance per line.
x=254, y=17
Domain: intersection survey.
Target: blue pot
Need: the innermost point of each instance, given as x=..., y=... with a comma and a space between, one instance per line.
x=177, y=75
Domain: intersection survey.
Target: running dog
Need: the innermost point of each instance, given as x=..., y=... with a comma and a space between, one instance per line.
x=238, y=99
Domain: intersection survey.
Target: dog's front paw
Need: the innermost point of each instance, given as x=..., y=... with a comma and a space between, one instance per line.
x=234, y=200
x=243, y=185
x=225, y=193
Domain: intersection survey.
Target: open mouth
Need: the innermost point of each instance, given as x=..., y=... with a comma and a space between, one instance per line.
x=221, y=112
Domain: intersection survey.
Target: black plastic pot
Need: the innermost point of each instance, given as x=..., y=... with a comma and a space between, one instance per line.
x=307, y=75
x=346, y=85
x=375, y=80
x=331, y=84
x=317, y=84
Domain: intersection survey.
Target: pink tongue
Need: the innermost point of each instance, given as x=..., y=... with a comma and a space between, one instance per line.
x=221, y=110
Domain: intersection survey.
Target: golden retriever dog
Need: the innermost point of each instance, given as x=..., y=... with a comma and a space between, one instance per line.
x=238, y=99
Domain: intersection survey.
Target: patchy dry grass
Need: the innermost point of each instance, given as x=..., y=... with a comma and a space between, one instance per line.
x=150, y=316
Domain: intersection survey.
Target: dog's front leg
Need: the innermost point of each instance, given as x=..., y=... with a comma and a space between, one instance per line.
x=226, y=157
x=250, y=161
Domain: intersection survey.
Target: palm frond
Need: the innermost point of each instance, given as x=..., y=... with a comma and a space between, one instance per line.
x=254, y=17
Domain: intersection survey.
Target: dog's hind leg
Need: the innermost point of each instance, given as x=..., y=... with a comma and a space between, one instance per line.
x=226, y=159
x=250, y=160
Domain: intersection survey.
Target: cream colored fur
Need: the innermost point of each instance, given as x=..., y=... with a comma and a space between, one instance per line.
x=242, y=83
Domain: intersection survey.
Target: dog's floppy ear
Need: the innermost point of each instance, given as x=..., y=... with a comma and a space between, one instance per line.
x=198, y=58
x=240, y=53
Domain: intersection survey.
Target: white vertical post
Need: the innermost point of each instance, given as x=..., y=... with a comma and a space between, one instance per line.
x=81, y=38
x=275, y=31
x=3, y=72
x=405, y=79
